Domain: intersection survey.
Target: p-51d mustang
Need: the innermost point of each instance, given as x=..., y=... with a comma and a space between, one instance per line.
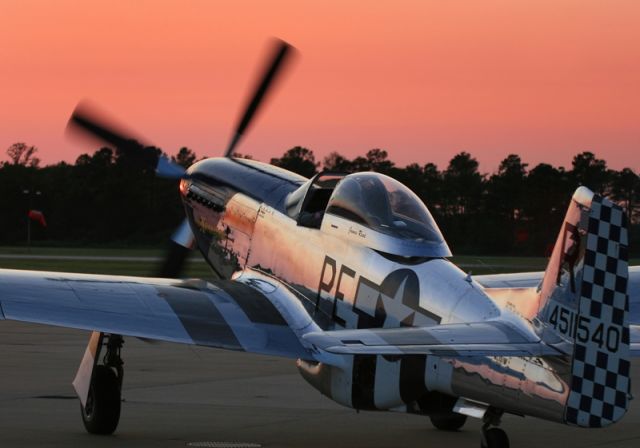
x=348, y=274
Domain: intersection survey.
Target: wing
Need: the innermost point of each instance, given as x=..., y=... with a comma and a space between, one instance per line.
x=491, y=338
x=253, y=315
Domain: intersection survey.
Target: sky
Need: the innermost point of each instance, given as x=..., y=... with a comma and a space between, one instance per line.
x=424, y=80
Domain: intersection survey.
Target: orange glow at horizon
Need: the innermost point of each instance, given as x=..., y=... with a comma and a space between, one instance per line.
x=423, y=80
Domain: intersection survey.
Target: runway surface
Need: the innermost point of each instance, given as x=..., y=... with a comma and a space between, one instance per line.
x=176, y=394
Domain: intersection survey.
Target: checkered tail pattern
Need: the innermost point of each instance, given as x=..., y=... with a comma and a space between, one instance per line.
x=600, y=384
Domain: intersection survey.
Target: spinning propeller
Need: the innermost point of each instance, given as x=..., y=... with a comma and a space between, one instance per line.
x=282, y=52
x=89, y=122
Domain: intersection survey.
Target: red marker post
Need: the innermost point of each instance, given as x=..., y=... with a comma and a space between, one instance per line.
x=34, y=215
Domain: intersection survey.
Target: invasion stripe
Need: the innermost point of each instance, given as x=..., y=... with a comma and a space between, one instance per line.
x=412, y=373
x=200, y=318
x=363, y=381
x=254, y=304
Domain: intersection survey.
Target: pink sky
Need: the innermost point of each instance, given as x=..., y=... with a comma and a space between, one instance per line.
x=421, y=79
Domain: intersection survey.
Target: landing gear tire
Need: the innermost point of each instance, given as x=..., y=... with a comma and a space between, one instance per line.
x=101, y=413
x=448, y=422
x=494, y=438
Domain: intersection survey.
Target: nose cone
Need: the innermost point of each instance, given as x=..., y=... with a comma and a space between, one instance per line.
x=451, y=294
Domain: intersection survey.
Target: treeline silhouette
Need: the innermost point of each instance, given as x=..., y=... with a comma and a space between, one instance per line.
x=108, y=198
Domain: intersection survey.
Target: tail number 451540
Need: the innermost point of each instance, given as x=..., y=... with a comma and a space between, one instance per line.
x=584, y=329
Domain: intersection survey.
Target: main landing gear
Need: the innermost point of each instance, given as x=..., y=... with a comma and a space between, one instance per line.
x=493, y=437
x=101, y=411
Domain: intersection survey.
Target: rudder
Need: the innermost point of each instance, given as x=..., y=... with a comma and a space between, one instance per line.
x=584, y=302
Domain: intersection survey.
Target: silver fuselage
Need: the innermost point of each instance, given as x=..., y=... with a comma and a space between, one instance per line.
x=238, y=216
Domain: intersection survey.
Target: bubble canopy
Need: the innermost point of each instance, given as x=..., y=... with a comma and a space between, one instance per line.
x=385, y=205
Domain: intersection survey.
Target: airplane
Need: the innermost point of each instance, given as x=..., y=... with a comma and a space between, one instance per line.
x=349, y=275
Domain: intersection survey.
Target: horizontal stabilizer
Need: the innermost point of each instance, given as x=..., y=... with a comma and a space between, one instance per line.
x=491, y=338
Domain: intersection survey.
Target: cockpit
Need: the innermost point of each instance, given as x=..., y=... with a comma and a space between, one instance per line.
x=371, y=208
x=385, y=205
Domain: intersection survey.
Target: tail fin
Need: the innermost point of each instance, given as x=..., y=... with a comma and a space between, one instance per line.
x=583, y=305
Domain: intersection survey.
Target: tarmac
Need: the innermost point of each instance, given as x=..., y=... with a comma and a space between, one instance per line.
x=179, y=395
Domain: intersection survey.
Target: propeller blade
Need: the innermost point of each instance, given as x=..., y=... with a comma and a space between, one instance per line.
x=182, y=242
x=167, y=168
x=89, y=121
x=282, y=52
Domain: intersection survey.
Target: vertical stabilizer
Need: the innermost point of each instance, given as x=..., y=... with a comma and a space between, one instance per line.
x=583, y=307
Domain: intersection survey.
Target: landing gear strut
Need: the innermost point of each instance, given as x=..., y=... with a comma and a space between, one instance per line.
x=493, y=437
x=101, y=411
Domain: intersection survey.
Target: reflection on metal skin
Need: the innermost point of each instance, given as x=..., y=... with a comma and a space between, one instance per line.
x=343, y=283
x=519, y=385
